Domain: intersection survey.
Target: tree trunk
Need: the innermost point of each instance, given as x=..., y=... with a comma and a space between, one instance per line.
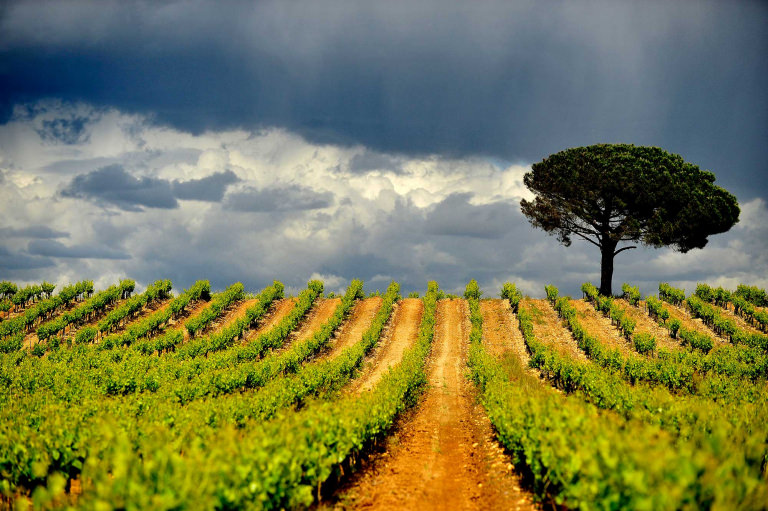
x=606, y=267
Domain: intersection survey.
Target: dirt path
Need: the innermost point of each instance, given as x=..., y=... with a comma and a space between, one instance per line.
x=278, y=310
x=740, y=322
x=548, y=328
x=398, y=338
x=234, y=312
x=444, y=457
x=601, y=327
x=691, y=323
x=646, y=324
x=322, y=310
x=351, y=332
x=191, y=310
x=501, y=333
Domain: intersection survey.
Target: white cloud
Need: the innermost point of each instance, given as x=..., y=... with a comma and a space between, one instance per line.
x=324, y=211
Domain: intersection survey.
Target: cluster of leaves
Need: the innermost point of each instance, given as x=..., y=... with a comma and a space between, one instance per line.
x=671, y=294
x=154, y=453
x=159, y=290
x=718, y=296
x=677, y=370
x=692, y=338
x=250, y=376
x=560, y=443
x=28, y=294
x=631, y=294
x=44, y=309
x=723, y=325
x=323, y=376
x=745, y=309
x=741, y=306
x=623, y=322
x=283, y=463
x=752, y=294
x=8, y=289
x=155, y=322
x=92, y=307
x=513, y=295
x=221, y=301
x=227, y=336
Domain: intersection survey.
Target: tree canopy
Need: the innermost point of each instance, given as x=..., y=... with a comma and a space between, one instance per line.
x=607, y=194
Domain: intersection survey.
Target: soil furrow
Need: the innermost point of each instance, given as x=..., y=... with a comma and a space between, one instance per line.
x=601, y=327
x=321, y=312
x=352, y=330
x=400, y=336
x=278, y=310
x=646, y=324
x=501, y=333
x=548, y=328
x=691, y=323
x=741, y=323
x=444, y=457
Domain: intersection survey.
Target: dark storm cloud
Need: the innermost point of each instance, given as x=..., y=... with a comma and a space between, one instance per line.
x=210, y=188
x=113, y=185
x=278, y=198
x=17, y=261
x=455, y=216
x=513, y=80
x=32, y=231
x=64, y=131
x=368, y=161
x=51, y=248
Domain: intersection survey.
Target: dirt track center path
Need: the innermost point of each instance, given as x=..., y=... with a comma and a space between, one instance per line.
x=443, y=456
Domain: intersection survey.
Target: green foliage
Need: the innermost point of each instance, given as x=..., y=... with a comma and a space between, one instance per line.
x=752, y=294
x=510, y=293
x=221, y=301
x=648, y=194
x=573, y=456
x=8, y=289
x=724, y=325
x=159, y=290
x=670, y=294
x=86, y=335
x=644, y=343
x=413, y=294
x=156, y=321
x=88, y=310
x=631, y=294
x=473, y=290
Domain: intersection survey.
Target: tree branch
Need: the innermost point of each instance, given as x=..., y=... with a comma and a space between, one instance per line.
x=588, y=239
x=624, y=248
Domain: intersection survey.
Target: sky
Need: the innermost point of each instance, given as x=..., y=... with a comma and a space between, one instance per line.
x=252, y=141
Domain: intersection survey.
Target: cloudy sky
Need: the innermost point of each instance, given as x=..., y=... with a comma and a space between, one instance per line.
x=376, y=140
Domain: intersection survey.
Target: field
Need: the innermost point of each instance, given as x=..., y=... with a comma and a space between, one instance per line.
x=113, y=399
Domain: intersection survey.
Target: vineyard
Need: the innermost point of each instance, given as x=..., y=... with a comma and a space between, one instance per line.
x=195, y=399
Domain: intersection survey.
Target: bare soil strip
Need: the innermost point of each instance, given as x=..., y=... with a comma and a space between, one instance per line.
x=740, y=322
x=193, y=309
x=548, y=328
x=444, y=457
x=31, y=338
x=278, y=310
x=399, y=337
x=601, y=327
x=501, y=333
x=691, y=323
x=646, y=324
x=352, y=330
x=321, y=312
x=232, y=313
